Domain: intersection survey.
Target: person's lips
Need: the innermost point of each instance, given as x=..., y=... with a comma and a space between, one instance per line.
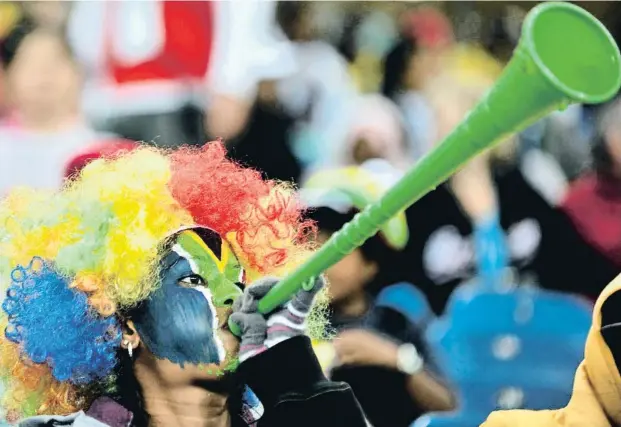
x=223, y=318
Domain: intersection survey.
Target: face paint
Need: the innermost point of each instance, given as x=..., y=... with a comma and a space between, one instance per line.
x=179, y=322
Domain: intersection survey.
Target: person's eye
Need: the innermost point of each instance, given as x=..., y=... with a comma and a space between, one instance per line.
x=191, y=281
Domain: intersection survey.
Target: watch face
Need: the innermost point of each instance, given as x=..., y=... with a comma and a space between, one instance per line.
x=408, y=360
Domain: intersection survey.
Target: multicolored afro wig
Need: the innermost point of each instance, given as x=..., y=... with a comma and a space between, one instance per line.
x=72, y=260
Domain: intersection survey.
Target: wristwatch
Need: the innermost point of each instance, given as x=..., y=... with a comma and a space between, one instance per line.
x=408, y=360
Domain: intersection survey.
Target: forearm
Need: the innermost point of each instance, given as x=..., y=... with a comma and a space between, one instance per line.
x=429, y=393
x=227, y=117
x=475, y=190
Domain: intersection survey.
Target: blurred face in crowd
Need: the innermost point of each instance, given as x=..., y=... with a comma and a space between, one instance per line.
x=296, y=19
x=349, y=276
x=364, y=150
x=43, y=80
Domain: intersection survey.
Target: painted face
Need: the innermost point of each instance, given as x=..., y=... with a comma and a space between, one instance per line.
x=179, y=322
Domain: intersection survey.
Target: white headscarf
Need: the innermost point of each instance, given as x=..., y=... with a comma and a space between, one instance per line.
x=378, y=122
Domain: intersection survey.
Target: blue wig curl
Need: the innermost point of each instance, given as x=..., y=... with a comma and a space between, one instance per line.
x=54, y=324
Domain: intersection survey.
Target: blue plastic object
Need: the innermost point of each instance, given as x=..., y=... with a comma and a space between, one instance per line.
x=510, y=350
x=492, y=253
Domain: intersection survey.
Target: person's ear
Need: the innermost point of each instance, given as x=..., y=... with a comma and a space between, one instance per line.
x=130, y=335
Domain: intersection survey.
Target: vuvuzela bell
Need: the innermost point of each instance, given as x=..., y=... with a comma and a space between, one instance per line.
x=565, y=56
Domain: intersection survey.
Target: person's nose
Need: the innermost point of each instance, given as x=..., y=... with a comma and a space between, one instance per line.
x=228, y=296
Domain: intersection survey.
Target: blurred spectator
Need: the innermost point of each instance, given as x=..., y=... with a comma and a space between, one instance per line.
x=154, y=67
x=420, y=54
x=594, y=200
x=375, y=131
x=402, y=83
x=519, y=194
x=264, y=145
x=320, y=94
x=565, y=136
x=370, y=337
x=562, y=133
x=44, y=126
x=503, y=31
x=372, y=39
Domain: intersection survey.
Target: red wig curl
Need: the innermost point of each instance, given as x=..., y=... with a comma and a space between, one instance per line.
x=264, y=216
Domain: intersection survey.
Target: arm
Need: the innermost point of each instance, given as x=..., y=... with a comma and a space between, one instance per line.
x=248, y=49
x=364, y=348
x=430, y=394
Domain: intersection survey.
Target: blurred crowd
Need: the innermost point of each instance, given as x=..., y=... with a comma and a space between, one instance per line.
x=296, y=89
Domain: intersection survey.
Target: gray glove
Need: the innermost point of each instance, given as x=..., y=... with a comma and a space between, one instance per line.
x=260, y=332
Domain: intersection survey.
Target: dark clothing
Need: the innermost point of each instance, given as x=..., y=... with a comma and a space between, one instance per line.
x=264, y=145
x=544, y=246
x=290, y=383
x=287, y=379
x=166, y=130
x=382, y=392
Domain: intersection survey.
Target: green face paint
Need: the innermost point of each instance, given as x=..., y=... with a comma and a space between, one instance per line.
x=215, y=262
